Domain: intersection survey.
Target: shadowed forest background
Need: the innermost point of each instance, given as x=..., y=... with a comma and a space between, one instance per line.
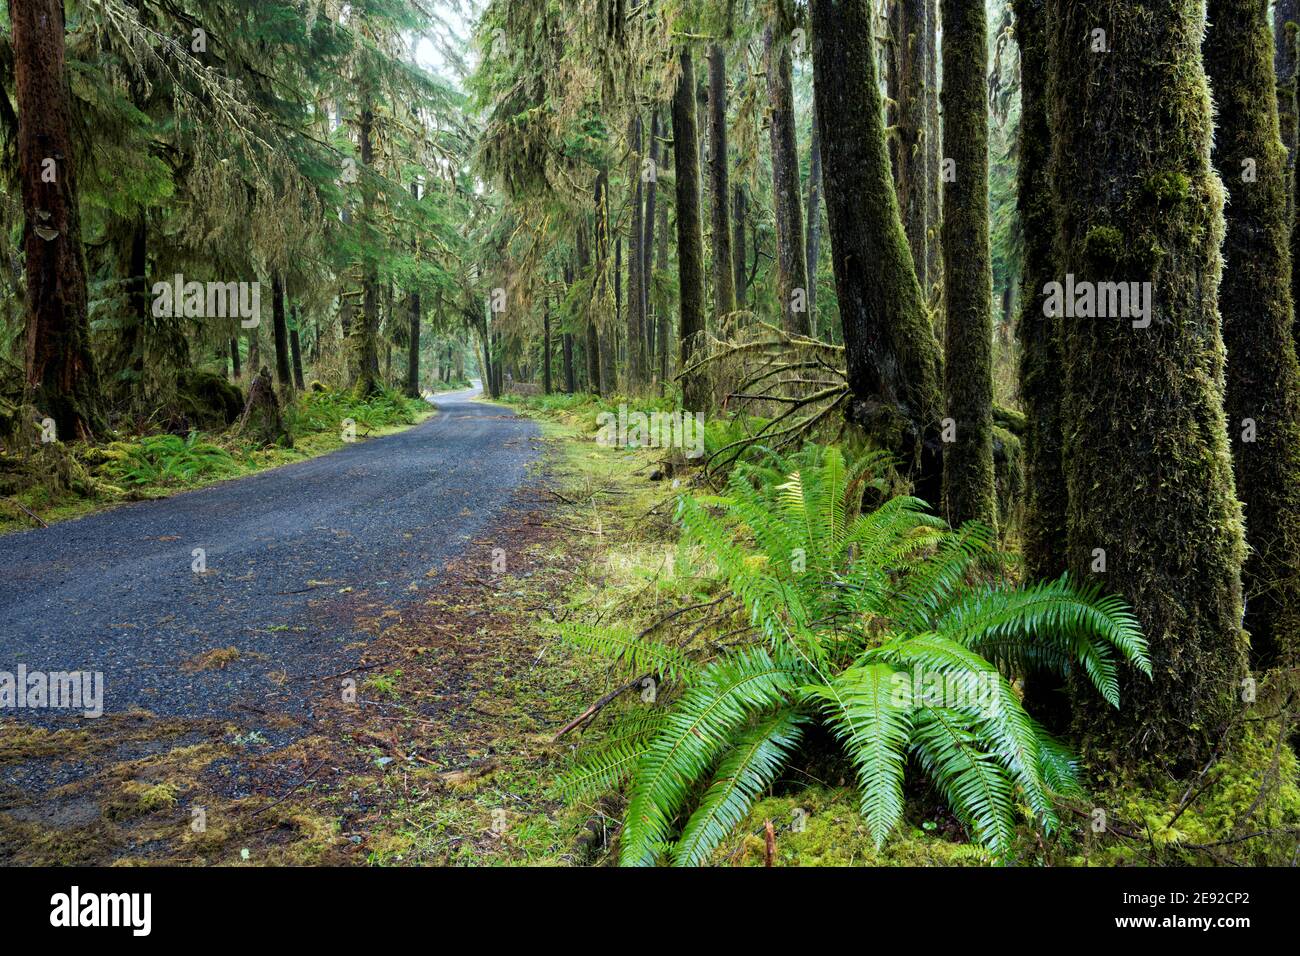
x=992, y=553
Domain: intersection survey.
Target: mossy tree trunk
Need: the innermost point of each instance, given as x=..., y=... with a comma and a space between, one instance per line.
x=690, y=238
x=365, y=347
x=59, y=367
x=1286, y=13
x=636, y=359
x=891, y=353
x=1147, y=462
x=791, y=253
x=724, y=289
x=1263, y=384
x=280, y=334
x=813, y=234
x=1041, y=371
x=968, y=270
x=908, y=26
x=648, y=240
x=933, y=188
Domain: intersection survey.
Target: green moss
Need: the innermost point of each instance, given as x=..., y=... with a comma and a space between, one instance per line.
x=1169, y=187
x=1104, y=245
x=832, y=834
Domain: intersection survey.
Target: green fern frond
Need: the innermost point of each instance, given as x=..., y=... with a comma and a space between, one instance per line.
x=744, y=772
x=636, y=655
x=727, y=692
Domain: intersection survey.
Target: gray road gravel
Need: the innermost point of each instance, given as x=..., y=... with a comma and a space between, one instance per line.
x=115, y=592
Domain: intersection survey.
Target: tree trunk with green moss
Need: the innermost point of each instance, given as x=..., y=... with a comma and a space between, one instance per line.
x=1263, y=386
x=724, y=289
x=891, y=353
x=1153, y=514
x=690, y=239
x=908, y=28
x=787, y=203
x=933, y=188
x=59, y=367
x=1041, y=370
x=968, y=270
x=1285, y=16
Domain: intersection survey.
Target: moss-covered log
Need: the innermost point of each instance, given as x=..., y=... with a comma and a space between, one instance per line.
x=968, y=492
x=1153, y=513
x=1040, y=351
x=1263, y=384
x=892, y=355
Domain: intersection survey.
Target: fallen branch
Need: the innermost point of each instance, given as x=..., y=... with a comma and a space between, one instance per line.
x=600, y=705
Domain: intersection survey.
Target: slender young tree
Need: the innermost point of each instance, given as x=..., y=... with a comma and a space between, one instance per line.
x=724, y=289
x=814, y=231
x=636, y=356
x=967, y=268
x=60, y=371
x=280, y=335
x=1153, y=513
x=791, y=254
x=891, y=352
x=1263, y=380
x=690, y=238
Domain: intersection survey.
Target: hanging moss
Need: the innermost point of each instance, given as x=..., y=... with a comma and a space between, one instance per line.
x=1146, y=457
x=1263, y=379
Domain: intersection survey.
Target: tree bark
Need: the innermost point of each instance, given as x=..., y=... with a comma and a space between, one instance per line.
x=968, y=296
x=690, y=239
x=60, y=370
x=636, y=356
x=1146, y=457
x=546, y=347
x=592, y=348
x=934, y=162
x=234, y=359
x=1286, y=13
x=740, y=255
x=891, y=352
x=1041, y=371
x=366, y=348
x=1263, y=379
x=280, y=330
x=295, y=351
x=909, y=26
x=814, y=231
x=724, y=289
x=791, y=253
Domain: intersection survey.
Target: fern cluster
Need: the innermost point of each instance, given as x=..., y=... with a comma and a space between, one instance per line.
x=889, y=628
x=168, y=460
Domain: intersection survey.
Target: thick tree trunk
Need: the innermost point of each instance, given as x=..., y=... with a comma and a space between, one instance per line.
x=909, y=26
x=60, y=371
x=133, y=334
x=968, y=297
x=892, y=356
x=280, y=330
x=690, y=239
x=234, y=359
x=413, y=349
x=814, y=231
x=1041, y=371
x=1263, y=384
x=724, y=289
x=1152, y=499
x=791, y=253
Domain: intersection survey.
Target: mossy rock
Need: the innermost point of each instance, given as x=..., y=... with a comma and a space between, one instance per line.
x=207, y=400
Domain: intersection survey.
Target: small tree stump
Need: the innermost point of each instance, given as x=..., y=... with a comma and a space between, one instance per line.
x=262, y=418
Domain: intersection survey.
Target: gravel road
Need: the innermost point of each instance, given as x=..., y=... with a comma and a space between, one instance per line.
x=299, y=559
